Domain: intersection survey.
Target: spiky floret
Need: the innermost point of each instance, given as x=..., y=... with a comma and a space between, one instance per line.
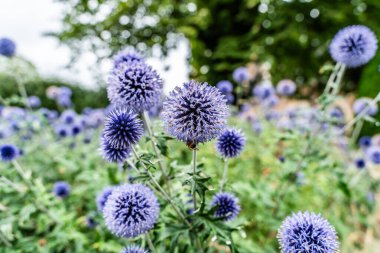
x=195, y=113
x=230, y=143
x=133, y=249
x=227, y=206
x=112, y=154
x=102, y=197
x=131, y=210
x=122, y=128
x=354, y=46
x=128, y=56
x=61, y=189
x=8, y=152
x=307, y=233
x=135, y=85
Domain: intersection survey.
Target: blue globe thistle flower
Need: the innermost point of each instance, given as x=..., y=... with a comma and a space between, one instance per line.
x=112, y=154
x=286, y=87
x=61, y=189
x=68, y=117
x=227, y=206
x=34, y=101
x=131, y=210
x=354, y=46
x=360, y=163
x=137, y=86
x=127, y=56
x=102, y=197
x=270, y=101
x=263, y=90
x=240, y=74
x=257, y=127
x=133, y=249
x=230, y=143
x=230, y=98
x=76, y=129
x=62, y=131
x=122, y=128
x=195, y=113
x=7, y=47
x=225, y=86
x=307, y=232
x=9, y=152
x=373, y=154
x=361, y=103
x=365, y=142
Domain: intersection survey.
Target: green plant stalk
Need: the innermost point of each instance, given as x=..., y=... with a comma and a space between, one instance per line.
x=10, y=183
x=31, y=187
x=4, y=240
x=361, y=115
x=225, y=173
x=154, y=144
x=163, y=192
x=150, y=244
x=356, y=132
x=194, y=165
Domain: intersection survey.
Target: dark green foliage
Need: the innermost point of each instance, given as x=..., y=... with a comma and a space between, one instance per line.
x=224, y=34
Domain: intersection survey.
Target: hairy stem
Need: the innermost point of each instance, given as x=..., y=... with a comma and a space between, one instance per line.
x=150, y=244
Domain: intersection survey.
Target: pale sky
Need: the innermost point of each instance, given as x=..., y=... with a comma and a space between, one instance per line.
x=25, y=21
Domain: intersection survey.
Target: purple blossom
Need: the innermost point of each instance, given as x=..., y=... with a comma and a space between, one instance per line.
x=362, y=103
x=112, y=154
x=240, y=74
x=102, y=197
x=230, y=143
x=128, y=56
x=354, y=46
x=34, y=101
x=195, y=113
x=136, y=85
x=227, y=206
x=225, y=86
x=263, y=90
x=7, y=47
x=373, y=154
x=286, y=87
x=8, y=152
x=133, y=249
x=61, y=189
x=131, y=210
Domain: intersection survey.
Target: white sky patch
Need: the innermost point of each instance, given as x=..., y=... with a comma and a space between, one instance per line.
x=25, y=21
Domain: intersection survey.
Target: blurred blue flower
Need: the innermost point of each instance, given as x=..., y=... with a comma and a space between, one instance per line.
x=61, y=189
x=9, y=152
x=122, y=128
x=131, y=210
x=240, y=74
x=354, y=46
x=90, y=222
x=34, y=101
x=102, y=197
x=195, y=113
x=227, y=206
x=7, y=47
x=307, y=232
x=365, y=142
x=373, y=154
x=230, y=143
x=286, y=87
x=136, y=85
x=360, y=163
x=361, y=103
x=68, y=117
x=263, y=90
x=225, y=86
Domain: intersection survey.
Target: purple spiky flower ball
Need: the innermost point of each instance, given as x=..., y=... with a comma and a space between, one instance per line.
x=230, y=143
x=102, y=197
x=8, y=152
x=227, y=206
x=133, y=249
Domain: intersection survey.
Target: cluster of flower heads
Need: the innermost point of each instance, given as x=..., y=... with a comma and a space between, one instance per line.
x=307, y=232
x=7, y=47
x=354, y=46
x=131, y=210
x=195, y=113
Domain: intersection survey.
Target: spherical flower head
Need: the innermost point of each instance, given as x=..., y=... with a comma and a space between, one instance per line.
x=102, y=197
x=227, y=206
x=131, y=210
x=354, y=46
x=7, y=47
x=240, y=74
x=122, y=128
x=307, y=233
x=133, y=249
x=362, y=103
x=230, y=98
x=34, y=101
x=230, y=143
x=286, y=87
x=61, y=189
x=68, y=117
x=112, y=154
x=137, y=86
x=62, y=131
x=263, y=90
x=195, y=113
x=127, y=56
x=270, y=101
x=365, y=142
x=360, y=163
x=9, y=152
x=225, y=86
x=373, y=154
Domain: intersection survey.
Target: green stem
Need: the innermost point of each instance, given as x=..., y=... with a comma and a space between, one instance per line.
x=225, y=172
x=150, y=244
x=5, y=240
x=154, y=144
x=163, y=192
x=194, y=163
x=10, y=183
x=356, y=132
